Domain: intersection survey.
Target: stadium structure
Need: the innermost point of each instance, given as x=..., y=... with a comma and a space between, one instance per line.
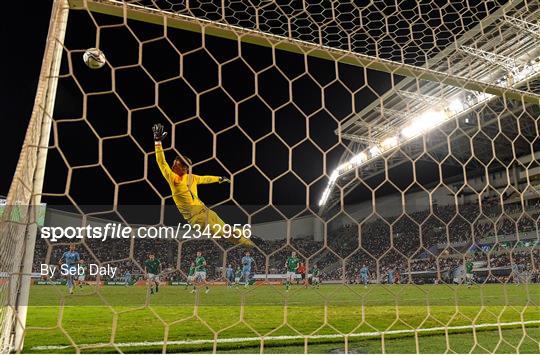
x=397, y=138
x=502, y=50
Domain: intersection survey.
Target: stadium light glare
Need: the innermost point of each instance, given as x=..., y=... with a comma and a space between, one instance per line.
x=432, y=118
x=334, y=175
x=409, y=131
x=423, y=123
x=359, y=158
x=390, y=142
x=427, y=121
x=374, y=151
x=325, y=195
x=456, y=106
x=524, y=73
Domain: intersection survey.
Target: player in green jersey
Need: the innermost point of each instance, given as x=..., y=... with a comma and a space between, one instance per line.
x=199, y=277
x=469, y=272
x=291, y=265
x=190, y=275
x=152, y=269
x=315, y=280
x=81, y=278
x=237, y=275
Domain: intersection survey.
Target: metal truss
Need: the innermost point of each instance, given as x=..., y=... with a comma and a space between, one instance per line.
x=498, y=46
x=489, y=124
x=416, y=96
x=507, y=63
x=523, y=25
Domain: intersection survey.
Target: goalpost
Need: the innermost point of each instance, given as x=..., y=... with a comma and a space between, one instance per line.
x=374, y=139
x=18, y=230
x=216, y=28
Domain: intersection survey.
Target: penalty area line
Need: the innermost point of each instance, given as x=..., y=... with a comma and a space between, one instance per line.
x=288, y=337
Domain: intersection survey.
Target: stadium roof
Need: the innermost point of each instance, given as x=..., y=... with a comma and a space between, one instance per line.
x=502, y=49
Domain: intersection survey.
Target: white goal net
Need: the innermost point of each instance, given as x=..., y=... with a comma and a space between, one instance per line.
x=383, y=157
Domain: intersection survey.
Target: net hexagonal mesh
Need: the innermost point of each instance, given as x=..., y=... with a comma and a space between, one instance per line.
x=392, y=147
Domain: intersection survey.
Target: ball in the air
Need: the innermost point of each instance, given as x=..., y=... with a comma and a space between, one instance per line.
x=94, y=58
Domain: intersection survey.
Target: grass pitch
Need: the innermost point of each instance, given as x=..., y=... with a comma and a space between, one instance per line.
x=334, y=317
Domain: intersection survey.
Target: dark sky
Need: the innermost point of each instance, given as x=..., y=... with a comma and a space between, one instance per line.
x=23, y=40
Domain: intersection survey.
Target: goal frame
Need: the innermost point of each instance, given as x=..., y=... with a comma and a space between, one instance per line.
x=222, y=30
x=27, y=184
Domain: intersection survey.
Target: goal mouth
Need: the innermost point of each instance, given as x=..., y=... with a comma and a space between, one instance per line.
x=361, y=178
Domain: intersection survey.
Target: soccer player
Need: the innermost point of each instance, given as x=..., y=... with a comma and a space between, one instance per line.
x=152, y=269
x=200, y=272
x=291, y=265
x=302, y=271
x=184, y=192
x=364, y=275
x=191, y=275
x=229, y=275
x=127, y=278
x=237, y=275
x=82, y=276
x=247, y=260
x=70, y=258
x=515, y=273
x=390, y=276
x=315, y=280
x=468, y=272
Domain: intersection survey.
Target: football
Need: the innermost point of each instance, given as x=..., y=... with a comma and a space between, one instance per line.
x=94, y=58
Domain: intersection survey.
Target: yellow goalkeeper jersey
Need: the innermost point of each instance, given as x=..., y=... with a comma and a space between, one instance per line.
x=183, y=188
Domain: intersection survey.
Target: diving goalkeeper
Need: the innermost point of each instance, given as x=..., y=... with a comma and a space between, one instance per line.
x=184, y=192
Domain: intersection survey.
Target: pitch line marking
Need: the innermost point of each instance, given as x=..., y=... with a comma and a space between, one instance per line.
x=289, y=337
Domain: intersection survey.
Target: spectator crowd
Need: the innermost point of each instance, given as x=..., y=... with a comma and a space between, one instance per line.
x=434, y=241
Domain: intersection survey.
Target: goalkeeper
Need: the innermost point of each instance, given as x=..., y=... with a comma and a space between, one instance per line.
x=184, y=192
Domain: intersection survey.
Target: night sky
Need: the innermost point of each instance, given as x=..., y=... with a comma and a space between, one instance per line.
x=23, y=41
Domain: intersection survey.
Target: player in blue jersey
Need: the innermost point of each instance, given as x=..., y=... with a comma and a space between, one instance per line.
x=390, y=276
x=70, y=258
x=127, y=278
x=247, y=261
x=515, y=272
x=229, y=275
x=364, y=275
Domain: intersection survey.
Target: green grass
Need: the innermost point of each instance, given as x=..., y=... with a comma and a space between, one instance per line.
x=98, y=316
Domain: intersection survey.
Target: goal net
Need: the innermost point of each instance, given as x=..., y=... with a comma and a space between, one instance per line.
x=382, y=158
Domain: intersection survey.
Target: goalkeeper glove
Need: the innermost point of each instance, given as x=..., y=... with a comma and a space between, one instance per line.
x=224, y=179
x=159, y=133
